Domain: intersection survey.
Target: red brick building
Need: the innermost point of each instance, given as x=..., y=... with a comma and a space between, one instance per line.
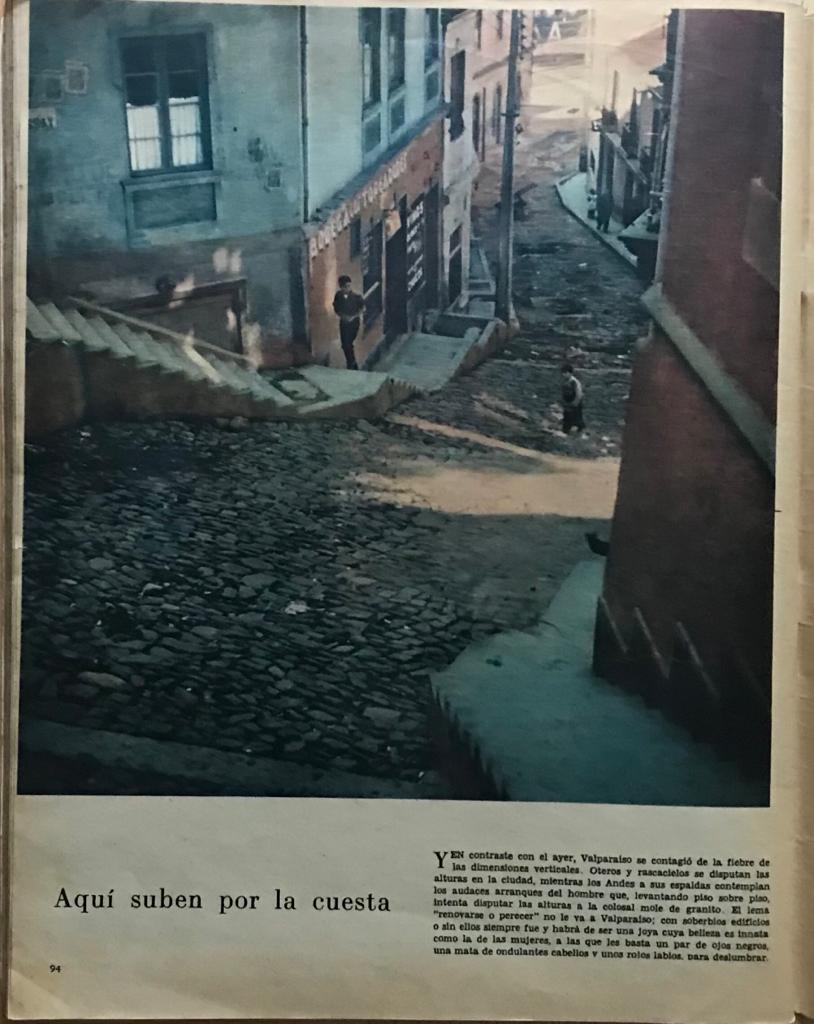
x=686, y=613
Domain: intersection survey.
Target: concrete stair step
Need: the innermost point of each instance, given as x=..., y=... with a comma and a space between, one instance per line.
x=426, y=361
x=38, y=326
x=90, y=336
x=166, y=362
x=56, y=320
x=137, y=343
x=326, y=394
x=117, y=347
x=229, y=375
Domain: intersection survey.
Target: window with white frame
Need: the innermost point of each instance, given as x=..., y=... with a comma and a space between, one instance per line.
x=432, y=55
x=371, y=27
x=432, y=38
x=166, y=103
x=395, y=47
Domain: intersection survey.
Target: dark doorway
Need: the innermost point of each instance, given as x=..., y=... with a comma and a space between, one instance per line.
x=395, y=284
x=457, y=92
x=432, y=227
x=456, y=265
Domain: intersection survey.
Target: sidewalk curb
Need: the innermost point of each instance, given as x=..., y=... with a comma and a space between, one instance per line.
x=219, y=771
x=629, y=260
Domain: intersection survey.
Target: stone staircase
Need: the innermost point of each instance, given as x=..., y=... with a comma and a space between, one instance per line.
x=452, y=341
x=481, y=283
x=427, y=361
x=147, y=347
x=85, y=361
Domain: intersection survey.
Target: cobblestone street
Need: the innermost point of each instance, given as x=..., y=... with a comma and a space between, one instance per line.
x=282, y=591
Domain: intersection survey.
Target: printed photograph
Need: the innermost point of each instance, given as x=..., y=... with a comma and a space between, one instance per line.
x=400, y=402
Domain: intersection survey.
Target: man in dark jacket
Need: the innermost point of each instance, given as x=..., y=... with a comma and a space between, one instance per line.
x=349, y=307
x=604, y=209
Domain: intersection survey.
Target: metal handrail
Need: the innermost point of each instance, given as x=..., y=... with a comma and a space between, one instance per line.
x=174, y=336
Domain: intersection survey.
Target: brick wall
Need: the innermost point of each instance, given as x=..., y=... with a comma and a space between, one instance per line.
x=692, y=530
x=724, y=138
x=686, y=616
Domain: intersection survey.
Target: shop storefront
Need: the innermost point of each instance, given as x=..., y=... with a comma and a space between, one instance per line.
x=385, y=235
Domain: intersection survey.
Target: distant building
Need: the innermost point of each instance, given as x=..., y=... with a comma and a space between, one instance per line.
x=489, y=81
x=561, y=37
x=461, y=163
x=627, y=146
x=215, y=168
x=686, y=612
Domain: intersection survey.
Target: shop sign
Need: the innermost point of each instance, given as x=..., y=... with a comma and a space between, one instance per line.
x=415, y=246
x=341, y=217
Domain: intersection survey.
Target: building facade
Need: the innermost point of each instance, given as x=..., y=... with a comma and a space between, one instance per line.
x=375, y=156
x=244, y=157
x=461, y=162
x=158, y=181
x=489, y=82
x=686, y=612
x=625, y=146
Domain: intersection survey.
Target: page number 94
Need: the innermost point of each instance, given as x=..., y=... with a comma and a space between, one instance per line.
x=55, y=968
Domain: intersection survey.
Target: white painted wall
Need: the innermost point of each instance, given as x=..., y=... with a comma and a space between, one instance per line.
x=334, y=73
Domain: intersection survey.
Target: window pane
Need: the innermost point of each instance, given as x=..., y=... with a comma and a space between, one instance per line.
x=395, y=47
x=184, y=53
x=138, y=55
x=371, y=55
x=183, y=84
x=430, y=37
x=142, y=90
x=185, y=132
x=144, y=138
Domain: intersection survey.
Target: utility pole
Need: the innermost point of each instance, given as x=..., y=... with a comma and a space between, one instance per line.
x=503, y=291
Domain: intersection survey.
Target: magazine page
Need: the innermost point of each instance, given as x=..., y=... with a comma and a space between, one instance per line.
x=408, y=467
x=805, y=878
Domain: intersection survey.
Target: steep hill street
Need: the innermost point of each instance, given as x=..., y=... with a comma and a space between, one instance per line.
x=282, y=591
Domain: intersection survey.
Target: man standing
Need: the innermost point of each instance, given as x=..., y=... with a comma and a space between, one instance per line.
x=572, y=410
x=348, y=306
x=604, y=209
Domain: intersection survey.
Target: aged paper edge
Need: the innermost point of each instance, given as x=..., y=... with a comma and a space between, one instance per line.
x=796, y=379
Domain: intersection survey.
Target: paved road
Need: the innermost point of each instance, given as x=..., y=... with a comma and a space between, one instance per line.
x=282, y=591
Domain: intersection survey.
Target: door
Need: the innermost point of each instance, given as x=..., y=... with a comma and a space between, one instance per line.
x=395, y=282
x=457, y=94
x=432, y=245
x=456, y=265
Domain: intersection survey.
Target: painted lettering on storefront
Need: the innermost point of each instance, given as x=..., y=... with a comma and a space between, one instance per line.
x=341, y=217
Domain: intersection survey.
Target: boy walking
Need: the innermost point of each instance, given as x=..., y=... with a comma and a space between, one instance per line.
x=604, y=209
x=348, y=306
x=572, y=401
